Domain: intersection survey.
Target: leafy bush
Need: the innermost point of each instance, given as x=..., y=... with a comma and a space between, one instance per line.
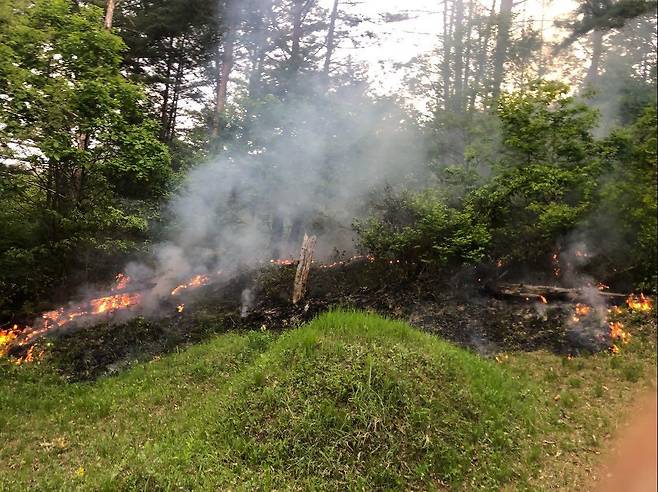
x=422, y=228
x=625, y=220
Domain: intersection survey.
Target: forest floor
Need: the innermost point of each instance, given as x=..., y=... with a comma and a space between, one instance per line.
x=349, y=400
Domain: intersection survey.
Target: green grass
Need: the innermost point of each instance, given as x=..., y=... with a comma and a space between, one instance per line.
x=349, y=401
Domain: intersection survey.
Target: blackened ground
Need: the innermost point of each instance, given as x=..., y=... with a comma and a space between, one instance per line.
x=454, y=307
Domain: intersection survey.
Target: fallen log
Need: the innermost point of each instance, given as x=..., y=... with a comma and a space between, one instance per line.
x=303, y=268
x=545, y=293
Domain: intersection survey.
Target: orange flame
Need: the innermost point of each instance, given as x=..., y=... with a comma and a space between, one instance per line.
x=6, y=339
x=180, y=308
x=196, y=281
x=583, y=309
x=639, y=303
x=617, y=332
x=543, y=299
x=121, y=281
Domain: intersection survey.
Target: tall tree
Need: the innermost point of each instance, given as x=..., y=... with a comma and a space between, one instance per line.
x=330, y=39
x=224, y=67
x=110, y=5
x=74, y=140
x=504, y=27
x=171, y=44
x=592, y=76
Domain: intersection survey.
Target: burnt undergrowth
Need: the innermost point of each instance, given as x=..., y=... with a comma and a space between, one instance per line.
x=458, y=308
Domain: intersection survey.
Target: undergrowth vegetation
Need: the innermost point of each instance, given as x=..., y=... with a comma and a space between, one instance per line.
x=554, y=185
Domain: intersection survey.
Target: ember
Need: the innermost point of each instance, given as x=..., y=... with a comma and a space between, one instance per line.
x=121, y=282
x=583, y=309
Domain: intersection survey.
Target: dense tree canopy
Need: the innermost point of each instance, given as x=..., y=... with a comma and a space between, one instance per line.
x=100, y=121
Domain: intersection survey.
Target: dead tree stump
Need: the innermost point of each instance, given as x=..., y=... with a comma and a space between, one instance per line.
x=303, y=268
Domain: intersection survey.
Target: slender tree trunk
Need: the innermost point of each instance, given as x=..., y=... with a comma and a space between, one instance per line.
x=458, y=38
x=224, y=72
x=165, y=93
x=592, y=76
x=330, y=40
x=483, y=55
x=467, y=56
x=445, y=65
x=502, y=45
x=109, y=14
x=542, y=61
x=178, y=83
x=257, y=56
x=295, y=50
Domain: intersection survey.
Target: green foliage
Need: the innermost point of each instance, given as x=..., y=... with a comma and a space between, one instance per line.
x=74, y=139
x=553, y=180
x=542, y=124
x=528, y=209
x=422, y=228
x=627, y=212
x=542, y=190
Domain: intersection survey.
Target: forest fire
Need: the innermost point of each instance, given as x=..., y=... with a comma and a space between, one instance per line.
x=581, y=311
x=107, y=305
x=7, y=337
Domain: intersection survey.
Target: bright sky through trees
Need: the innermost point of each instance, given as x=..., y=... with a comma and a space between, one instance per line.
x=400, y=41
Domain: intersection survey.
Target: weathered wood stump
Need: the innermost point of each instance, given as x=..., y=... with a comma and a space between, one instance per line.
x=303, y=268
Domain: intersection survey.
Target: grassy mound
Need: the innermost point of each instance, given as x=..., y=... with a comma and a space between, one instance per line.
x=355, y=400
x=348, y=401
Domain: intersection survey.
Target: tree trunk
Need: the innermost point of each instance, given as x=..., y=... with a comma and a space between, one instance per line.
x=545, y=293
x=330, y=40
x=592, y=76
x=502, y=45
x=482, y=58
x=257, y=55
x=109, y=14
x=173, y=110
x=458, y=38
x=303, y=268
x=165, y=94
x=445, y=65
x=224, y=71
x=467, y=56
x=295, y=50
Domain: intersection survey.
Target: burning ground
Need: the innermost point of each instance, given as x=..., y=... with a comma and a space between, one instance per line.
x=232, y=384
x=105, y=333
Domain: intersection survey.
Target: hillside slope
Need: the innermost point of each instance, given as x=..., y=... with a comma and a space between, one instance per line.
x=349, y=400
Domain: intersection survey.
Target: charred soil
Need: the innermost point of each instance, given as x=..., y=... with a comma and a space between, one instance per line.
x=459, y=308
